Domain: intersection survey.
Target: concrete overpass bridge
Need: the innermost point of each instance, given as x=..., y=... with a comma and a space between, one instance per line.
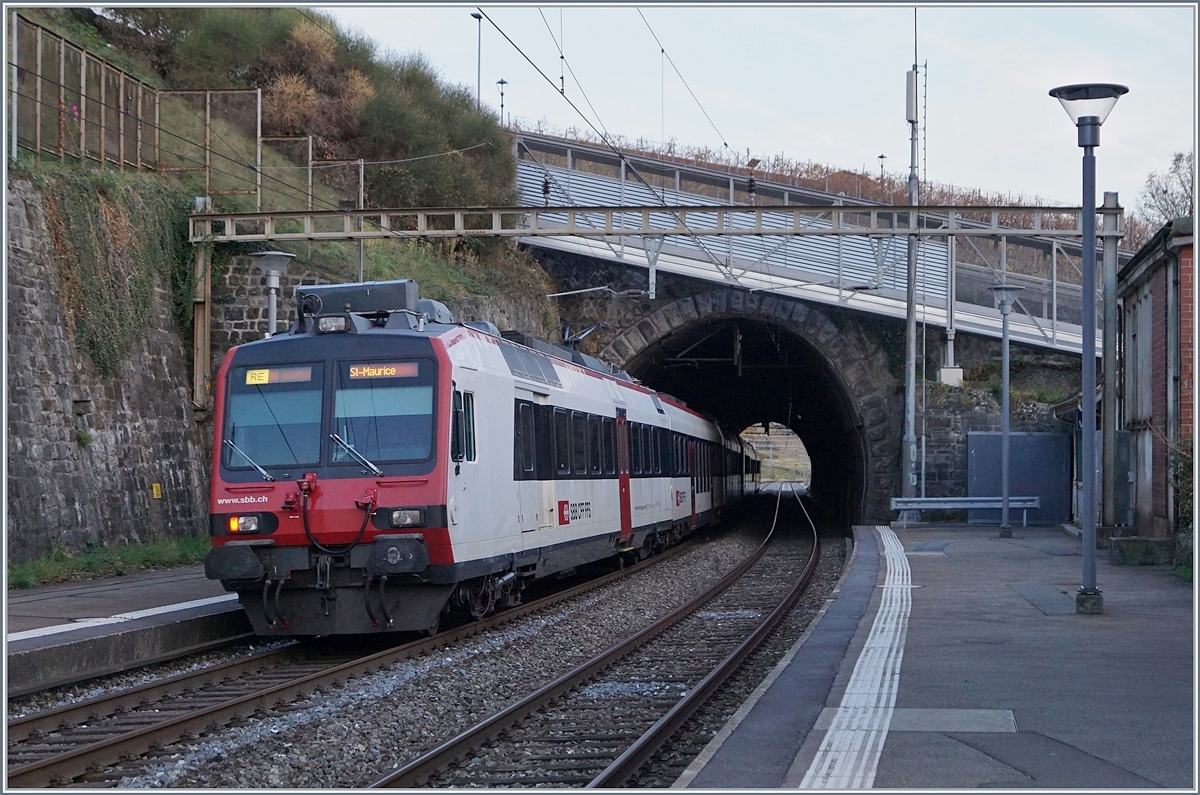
x=754, y=309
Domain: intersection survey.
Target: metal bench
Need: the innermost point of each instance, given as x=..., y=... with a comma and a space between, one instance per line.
x=905, y=504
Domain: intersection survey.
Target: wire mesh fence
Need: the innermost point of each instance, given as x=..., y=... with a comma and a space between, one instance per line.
x=67, y=103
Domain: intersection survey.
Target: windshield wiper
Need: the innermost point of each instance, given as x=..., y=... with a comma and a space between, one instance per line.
x=357, y=455
x=266, y=475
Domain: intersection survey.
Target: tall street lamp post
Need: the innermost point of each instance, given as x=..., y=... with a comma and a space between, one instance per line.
x=908, y=488
x=502, y=83
x=1088, y=105
x=1005, y=294
x=478, y=59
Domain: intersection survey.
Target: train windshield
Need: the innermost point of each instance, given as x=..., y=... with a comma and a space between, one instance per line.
x=384, y=410
x=273, y=416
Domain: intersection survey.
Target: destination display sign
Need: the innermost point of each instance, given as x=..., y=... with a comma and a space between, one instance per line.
x=396, y=370
x=278, y=375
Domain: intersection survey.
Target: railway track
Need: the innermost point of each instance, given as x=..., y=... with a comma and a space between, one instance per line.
x=77, y=741
x=598, y=724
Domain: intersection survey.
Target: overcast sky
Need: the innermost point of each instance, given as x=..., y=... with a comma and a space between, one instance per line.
x=826, y=84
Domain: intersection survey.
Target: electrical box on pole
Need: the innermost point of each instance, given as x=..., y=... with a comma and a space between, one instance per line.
x=911, y=103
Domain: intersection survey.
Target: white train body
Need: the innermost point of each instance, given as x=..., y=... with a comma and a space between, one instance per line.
x=376, y=470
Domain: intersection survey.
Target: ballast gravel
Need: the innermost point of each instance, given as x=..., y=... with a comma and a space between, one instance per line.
x=353, y=734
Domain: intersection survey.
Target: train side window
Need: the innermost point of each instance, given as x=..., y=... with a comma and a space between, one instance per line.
x=469, y=423
x=562, y=442
x=635, y=451
x=610, y=445
x=456, y=442
x=579, y=440
x=647, y=450
x=594, y=446
x=527, y=450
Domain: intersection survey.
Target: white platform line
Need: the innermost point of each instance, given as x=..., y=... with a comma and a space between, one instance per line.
x=850, y=751
x=119, y=618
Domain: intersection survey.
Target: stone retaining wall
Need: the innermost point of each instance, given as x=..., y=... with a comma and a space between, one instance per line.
x=85, y=451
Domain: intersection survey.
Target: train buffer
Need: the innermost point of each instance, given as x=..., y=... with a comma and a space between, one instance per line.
x=905, y=504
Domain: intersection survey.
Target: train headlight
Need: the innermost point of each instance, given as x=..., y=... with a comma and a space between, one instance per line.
x=243, y=524
x=331, y=324
x=407, y=517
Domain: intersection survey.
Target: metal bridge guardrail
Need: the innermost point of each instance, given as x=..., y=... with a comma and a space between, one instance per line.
x=851, y=254
x=815, y=255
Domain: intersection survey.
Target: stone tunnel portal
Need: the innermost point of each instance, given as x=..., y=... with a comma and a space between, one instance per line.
x=749, y=370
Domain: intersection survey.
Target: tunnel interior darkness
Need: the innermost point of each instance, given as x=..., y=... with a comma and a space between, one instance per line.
x=748, y=371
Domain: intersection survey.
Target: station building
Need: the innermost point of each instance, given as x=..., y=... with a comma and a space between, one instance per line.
x=1156, y=289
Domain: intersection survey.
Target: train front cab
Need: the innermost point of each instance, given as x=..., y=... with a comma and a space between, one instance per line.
x=328, y=510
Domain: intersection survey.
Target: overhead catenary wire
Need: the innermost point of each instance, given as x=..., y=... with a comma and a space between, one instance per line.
x=615, y=149
x=562, y=89
x=341, y=163
x=699, y=104
x=564, y=62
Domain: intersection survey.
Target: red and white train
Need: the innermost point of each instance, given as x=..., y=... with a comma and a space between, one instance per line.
x=380, y=465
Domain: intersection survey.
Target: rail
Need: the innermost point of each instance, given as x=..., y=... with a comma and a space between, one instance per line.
x=626, y=764
x=79, y=760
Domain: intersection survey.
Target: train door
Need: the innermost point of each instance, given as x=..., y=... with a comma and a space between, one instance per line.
x=535, y=491
x=692, y=478
x=623, y=475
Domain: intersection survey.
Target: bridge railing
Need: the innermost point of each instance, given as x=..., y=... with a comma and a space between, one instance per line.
x=962, y=250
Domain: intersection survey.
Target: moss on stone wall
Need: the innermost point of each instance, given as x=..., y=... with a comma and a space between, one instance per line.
x=112, y=234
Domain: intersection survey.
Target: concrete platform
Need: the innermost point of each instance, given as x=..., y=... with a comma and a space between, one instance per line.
x=57, y=634
x=951, y=658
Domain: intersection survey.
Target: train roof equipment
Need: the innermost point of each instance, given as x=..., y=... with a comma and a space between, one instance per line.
x=398, y=304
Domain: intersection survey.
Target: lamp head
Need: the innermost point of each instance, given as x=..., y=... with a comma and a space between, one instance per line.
x=273, y=261
x=1006, y=294
x=1083, y=100
x=478, y=16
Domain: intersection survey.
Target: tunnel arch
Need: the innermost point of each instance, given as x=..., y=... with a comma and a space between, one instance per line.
x=798, y=367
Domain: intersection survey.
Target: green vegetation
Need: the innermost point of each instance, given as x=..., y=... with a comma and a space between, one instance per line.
x=98, y=561
x=114, y=233
x=1026, y=384
x=1185, y=486
x=318, y=80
